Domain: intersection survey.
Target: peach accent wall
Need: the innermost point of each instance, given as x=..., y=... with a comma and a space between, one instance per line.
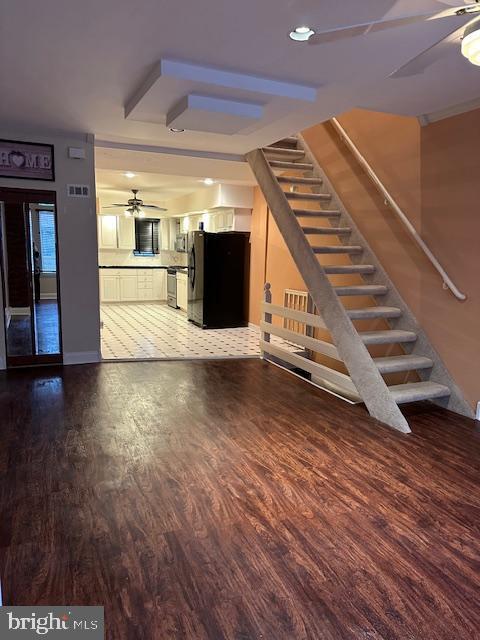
x=431, y=172
x=270, y=259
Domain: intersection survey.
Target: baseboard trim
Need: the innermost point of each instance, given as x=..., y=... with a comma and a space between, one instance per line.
x=253, y=326
x=81, y=357
x=48, y=296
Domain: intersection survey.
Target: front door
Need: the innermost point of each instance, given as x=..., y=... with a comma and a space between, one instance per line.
x=29, y=267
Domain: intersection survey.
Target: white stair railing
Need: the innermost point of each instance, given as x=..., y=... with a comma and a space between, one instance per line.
x=447, y=281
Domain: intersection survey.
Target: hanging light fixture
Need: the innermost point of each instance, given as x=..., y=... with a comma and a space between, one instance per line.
x=471, y=43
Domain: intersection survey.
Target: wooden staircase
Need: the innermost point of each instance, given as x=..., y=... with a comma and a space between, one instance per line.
x=327, y=246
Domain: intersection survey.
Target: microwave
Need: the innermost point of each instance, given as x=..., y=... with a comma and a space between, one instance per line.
x=181, y=243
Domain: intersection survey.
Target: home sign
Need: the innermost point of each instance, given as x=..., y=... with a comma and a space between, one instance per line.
x=26, y=160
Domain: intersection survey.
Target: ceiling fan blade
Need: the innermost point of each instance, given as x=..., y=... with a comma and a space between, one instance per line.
x=112, y=206
x=370, y=27
x=153, y=206
x=419, y=63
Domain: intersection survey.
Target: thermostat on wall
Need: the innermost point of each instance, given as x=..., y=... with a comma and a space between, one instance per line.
x=76, y=152
x=78, y=190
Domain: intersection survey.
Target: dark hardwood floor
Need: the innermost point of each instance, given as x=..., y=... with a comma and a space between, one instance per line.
x=227, y=499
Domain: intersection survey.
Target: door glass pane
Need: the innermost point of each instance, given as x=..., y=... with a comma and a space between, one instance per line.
x=44, y=276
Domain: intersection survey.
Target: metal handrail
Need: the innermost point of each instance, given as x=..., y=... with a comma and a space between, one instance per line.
x=447, y=281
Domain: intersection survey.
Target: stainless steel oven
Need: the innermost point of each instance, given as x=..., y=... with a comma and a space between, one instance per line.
x=172, y=288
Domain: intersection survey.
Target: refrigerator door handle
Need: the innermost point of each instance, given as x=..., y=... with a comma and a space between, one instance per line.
x=192, y=267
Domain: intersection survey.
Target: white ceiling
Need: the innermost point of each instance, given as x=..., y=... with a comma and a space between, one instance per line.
x=74, y=66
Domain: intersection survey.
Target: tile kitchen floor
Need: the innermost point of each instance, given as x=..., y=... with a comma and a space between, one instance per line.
x=137, y=331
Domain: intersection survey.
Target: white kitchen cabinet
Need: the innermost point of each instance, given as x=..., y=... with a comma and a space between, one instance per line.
x=109, y=288
x=128, y=287
x=159, y=284
x=133, y=285
x=182, y=293
x=174, y=224
x=165, y=234
x=107, y=232
x=126, y=233
x=145, y=284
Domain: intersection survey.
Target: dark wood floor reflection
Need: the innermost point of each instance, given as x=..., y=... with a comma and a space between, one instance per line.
x=214, y=500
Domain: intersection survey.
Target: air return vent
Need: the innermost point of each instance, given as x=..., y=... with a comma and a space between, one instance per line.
x=78, y=190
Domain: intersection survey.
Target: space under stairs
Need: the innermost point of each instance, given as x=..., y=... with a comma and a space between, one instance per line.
x=328, y=251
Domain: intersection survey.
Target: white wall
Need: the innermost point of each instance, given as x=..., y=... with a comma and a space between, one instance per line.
x=77, y=243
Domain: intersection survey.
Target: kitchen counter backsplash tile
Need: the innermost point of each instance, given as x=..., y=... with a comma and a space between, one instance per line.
x=124, y=259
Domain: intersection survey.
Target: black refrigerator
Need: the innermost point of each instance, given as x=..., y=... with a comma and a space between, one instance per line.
x=218, y=279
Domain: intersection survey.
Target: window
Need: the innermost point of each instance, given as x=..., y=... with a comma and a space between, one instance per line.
x=146, y=236
x=48, y=254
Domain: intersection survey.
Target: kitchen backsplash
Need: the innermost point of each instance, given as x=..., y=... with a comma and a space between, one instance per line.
x=125, y=258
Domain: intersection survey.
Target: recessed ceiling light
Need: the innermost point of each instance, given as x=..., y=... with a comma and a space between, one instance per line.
x=129, y=174
x=208, y=181
x=301, y=34
x=175, y=130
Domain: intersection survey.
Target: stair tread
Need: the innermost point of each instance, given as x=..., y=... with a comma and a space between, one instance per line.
x=367, y=289
x=333, y=269
x=315, y=197
x=299, y=153
x=417, y=391
x=300, y=180
x=389, y=336
x=329, y=231
x=340, y=248
x=310, y=213
x=374, y=312
x=284, y=164
x=392, y=364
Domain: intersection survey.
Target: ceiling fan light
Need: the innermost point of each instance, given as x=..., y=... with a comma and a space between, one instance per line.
x=127, y=213
x=471, y=43
x=301, y=34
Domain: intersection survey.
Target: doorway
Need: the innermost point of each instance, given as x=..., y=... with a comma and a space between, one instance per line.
x=30, y=279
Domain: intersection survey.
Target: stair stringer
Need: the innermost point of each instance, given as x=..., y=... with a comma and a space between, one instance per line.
x=407, y=321
x=363, y=372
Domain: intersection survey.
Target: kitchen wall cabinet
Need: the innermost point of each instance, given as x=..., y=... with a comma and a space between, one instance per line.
x=116, y=232
x=133, y=285
x=182, y=293
x=165, y=234
x=107, y=232
x=126, y=233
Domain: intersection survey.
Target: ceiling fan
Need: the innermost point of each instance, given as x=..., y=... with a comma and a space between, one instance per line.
x=135, y=207
x=469, y=33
